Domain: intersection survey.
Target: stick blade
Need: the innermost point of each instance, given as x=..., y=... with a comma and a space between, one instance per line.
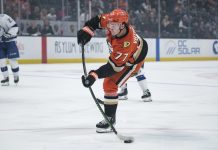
x=126, y=139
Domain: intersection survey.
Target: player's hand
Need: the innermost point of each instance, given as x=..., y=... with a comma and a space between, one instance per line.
x=7, y=37
x=88, y=81
x=84, y=35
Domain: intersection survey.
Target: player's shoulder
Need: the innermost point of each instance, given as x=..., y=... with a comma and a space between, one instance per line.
x=4, y=16
x=129, y=40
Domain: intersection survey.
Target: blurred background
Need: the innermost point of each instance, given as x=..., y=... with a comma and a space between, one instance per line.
x=194, y=19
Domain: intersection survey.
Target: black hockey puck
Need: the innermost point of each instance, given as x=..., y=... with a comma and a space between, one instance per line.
x=128, y=141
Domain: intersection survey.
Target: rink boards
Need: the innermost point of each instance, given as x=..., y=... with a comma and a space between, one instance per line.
x=66, y=49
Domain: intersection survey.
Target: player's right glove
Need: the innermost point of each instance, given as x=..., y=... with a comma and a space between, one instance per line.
x=84, y=35
x=90, y=79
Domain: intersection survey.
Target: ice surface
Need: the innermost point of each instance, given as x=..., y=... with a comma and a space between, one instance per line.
x=51, y=110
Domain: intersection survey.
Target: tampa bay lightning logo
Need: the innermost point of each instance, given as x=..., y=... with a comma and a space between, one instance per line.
x=215, y=47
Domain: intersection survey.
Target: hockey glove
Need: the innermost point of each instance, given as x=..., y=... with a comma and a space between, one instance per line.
x=7, y=36
x=90, y=79
x=84, y=35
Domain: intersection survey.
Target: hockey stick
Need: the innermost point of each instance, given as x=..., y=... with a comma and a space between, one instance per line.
x=125, y=139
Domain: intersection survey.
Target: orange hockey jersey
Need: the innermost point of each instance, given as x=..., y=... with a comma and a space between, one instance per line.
x=125, y=50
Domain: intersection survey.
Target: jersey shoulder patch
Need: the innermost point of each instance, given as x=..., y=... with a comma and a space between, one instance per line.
x=126, y=44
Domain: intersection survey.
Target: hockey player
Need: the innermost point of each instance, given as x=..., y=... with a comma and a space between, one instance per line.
x=128, y=52
x=141, y=79
x=8, y=48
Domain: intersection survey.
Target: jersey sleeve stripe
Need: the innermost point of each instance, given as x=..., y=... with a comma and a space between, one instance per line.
x=114, y=66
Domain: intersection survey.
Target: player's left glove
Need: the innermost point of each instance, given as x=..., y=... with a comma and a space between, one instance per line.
x=7, y=36
x=90, y=79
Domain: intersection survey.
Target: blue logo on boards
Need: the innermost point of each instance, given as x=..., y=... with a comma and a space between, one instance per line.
x=215, y=47
x=171, y=47
x=181, y=48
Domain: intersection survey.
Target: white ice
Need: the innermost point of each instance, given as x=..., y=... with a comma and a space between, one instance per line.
x=51, y=110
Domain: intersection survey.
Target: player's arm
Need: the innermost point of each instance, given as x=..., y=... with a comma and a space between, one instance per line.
x=116, y=63
x=105, y=71
x=12, y=27
x=93, y=23
x=87, y=32
x=102, y=72
x=97, y=22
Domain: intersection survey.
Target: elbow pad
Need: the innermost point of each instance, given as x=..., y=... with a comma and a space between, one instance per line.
x=13, y=31
x=105, y=71
x=11, y=34
x=93, y=23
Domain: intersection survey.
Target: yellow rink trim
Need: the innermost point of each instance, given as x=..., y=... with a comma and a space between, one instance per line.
x=29, y=61
x=73, y=60
x=150, y=59
x=88, y=60
x=103, y=60
x=188, y=58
